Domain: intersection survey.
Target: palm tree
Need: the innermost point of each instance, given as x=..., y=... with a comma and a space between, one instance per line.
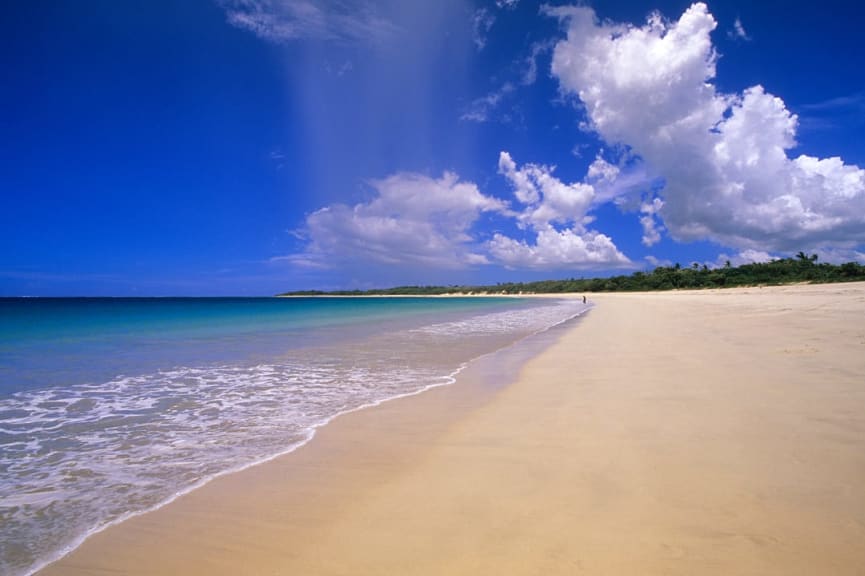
x=805, y=259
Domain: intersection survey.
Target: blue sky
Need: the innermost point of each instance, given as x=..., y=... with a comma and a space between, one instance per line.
x=256, y=146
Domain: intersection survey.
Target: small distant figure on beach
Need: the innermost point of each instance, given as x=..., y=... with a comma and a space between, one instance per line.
x=584, y=298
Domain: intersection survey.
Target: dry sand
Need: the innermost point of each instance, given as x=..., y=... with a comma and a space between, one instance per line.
x=678, y=433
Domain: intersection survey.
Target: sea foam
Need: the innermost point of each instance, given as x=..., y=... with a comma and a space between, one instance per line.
x=81, y=457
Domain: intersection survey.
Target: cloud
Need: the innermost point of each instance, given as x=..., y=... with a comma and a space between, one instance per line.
x=840, y=255
x=602, y=171
x=481, y=108
x=281, y=21
x=482, y=22
x=310, y=261
x=849, y=103
x=654, y=261
x=341, y=70
x=723, y=157
x=557, y=213
x=413, y=220
x=278, y=158
x=840, y=111
x=743, y=257
x=530, y=63
x=523, y=184
x=831, y=255
x=625, y=183
x=557, y=249
x=547, y=199
x=648, y=221
x=738, y=31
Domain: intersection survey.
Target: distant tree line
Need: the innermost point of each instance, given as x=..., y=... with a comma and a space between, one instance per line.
x=802, y=268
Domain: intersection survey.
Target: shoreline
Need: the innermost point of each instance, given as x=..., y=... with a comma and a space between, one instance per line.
x=672, y=433
x=80, y=541
x=527, y=346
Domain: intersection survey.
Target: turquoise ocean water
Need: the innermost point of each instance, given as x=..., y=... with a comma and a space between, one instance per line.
x=111, y=407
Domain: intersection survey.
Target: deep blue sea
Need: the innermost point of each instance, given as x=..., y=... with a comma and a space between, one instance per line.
x=111, y=407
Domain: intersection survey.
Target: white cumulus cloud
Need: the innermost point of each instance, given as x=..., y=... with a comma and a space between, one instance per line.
x=548, y=199
x=724, y=158
x=412, y=220
x=601, y=170
x=557, y=249
x=416, y=221
x=557, y=212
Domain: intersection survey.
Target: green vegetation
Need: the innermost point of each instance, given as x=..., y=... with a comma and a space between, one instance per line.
x=802, y=268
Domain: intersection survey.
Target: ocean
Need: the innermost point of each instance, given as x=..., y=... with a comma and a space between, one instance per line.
x=110, y=407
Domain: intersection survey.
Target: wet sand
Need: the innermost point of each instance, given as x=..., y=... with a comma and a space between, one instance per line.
x=668, y=433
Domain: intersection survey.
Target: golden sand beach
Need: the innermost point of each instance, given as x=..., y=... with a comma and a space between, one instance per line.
x=712, y=432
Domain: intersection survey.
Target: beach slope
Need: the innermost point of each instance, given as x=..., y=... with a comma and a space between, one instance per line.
x=716, y=432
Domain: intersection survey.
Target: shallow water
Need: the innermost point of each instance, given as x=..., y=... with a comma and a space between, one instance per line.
x=110, y=407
